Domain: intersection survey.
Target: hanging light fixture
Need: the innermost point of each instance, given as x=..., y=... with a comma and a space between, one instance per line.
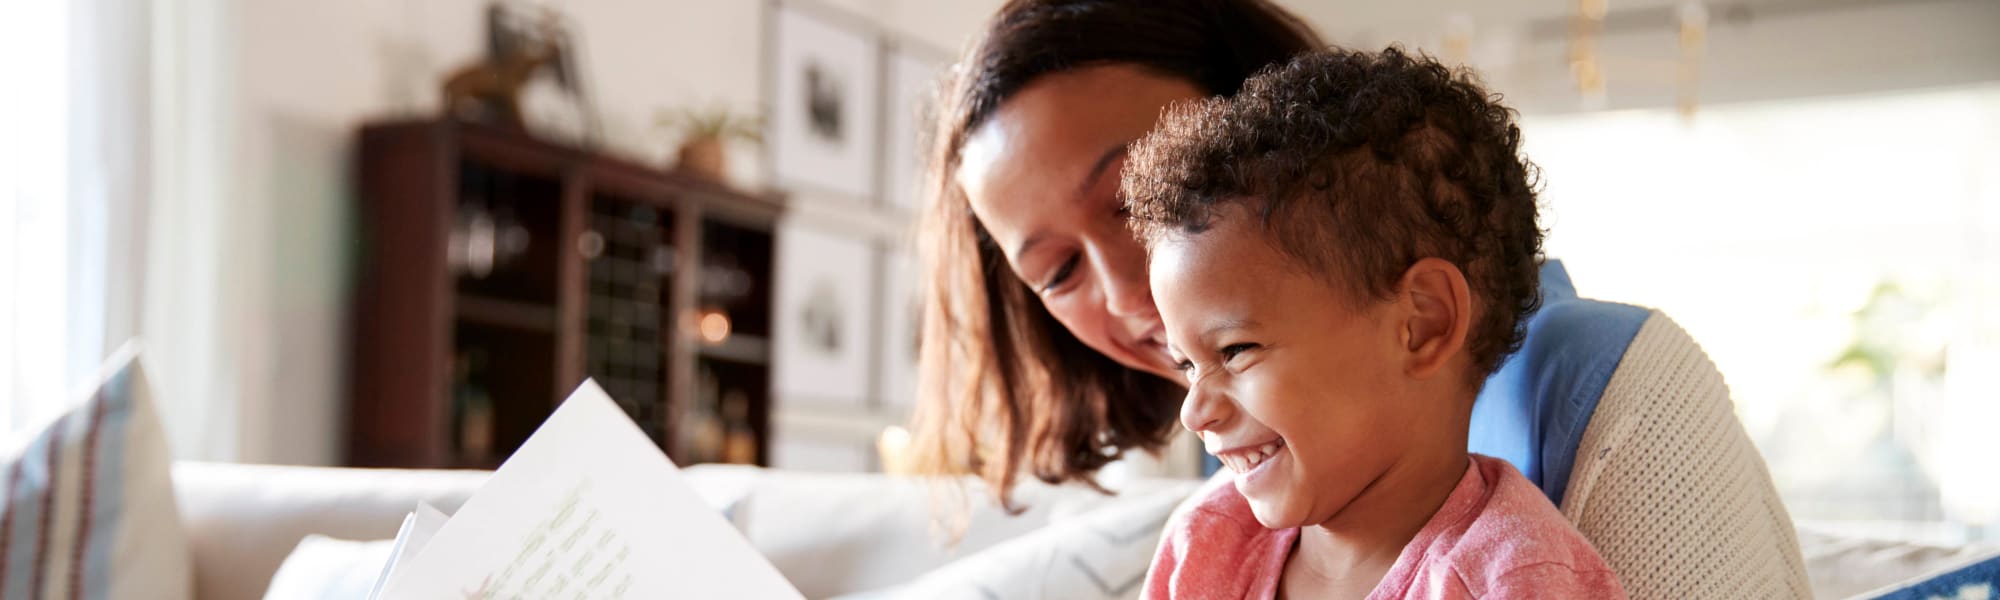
x=1458, y=39
x=1584, y=64
x=1693, y=17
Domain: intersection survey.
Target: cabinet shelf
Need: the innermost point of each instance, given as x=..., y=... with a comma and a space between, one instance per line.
x=506, y=313
x=499, y=271
x=742, y=348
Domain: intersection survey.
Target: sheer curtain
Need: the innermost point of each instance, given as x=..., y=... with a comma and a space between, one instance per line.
x=1840, y=260
x=72, y=183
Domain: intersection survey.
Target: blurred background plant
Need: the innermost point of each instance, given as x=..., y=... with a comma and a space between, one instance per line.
x=704, y=133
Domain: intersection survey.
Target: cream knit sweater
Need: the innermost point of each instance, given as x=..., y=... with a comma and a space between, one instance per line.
x=1669, y=487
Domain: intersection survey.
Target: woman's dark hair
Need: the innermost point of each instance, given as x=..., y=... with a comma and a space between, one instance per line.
x=1003, y=387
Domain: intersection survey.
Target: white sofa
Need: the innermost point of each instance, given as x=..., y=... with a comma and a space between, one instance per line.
x=830, y=534
x=243, y=520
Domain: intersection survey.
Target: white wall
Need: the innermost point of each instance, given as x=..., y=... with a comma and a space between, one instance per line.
x=249, y=313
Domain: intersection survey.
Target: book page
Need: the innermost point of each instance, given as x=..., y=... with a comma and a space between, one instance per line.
x=588, y=507
x=396, y=553
x=418, y=528
x=424, y=525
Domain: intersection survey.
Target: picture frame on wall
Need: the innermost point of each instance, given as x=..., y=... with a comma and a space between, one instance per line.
x=824, y=306
x=912, y=72
x=825, y=104
x=902, y=322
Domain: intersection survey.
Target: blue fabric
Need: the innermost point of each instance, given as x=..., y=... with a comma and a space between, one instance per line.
x=1977, y=580
x=1533, y=411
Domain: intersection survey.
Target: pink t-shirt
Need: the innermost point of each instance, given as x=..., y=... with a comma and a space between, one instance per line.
x=1496, y=536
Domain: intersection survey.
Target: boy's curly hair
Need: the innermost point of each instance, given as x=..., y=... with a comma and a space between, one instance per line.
x=1361, y=163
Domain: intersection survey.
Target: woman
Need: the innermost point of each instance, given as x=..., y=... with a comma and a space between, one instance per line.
x=1041, y=348
x=1042, y=352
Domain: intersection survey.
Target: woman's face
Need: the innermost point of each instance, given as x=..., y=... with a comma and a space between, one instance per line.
x=1042, y=177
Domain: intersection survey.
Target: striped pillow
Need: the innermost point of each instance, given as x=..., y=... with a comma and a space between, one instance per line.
x=89, y=510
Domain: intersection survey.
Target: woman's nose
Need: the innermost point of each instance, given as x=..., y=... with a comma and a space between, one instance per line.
x=1127, y=293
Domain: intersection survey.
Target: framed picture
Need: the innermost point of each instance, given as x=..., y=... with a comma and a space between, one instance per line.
x=824, y=106
x=913, y=71
x=824, y=302
x=902, y=321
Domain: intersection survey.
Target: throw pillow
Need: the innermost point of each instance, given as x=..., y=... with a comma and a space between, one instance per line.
x=88, y=510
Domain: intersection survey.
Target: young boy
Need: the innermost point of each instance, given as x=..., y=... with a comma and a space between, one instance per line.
x=1341, y=253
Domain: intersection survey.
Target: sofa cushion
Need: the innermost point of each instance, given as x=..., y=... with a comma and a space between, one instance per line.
x=243, y=519
x=1100, y=554
x=89, y=509
x=837, y=533
x=330, y=569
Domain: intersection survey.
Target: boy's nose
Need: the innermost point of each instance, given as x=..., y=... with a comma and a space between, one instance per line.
x=1203, y=410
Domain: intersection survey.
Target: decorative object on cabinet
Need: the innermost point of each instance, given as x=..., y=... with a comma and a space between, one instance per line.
x=703, y=133
x=523, y=42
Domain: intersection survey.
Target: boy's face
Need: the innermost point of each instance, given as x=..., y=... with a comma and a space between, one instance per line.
x=1298, y=392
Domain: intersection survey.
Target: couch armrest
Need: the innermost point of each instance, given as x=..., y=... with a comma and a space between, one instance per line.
x=243, y=520
x=842, y=533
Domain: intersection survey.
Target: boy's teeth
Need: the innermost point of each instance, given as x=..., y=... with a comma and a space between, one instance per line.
x=1249, y=461
x=1243, y=462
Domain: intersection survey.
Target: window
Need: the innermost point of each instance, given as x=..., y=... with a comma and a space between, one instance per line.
x=1840, y=261
x=34, y=213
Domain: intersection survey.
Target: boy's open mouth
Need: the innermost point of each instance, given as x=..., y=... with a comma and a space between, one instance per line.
x=1246, y=459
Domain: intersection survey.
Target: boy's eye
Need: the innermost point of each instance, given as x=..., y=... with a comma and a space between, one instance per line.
x=1229, y=352
x=1062, y=273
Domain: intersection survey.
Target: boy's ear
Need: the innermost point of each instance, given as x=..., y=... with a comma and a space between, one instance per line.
x=1439, y=315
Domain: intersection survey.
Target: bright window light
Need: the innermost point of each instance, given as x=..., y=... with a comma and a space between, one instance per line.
x=34, y=153
x=1840, y=261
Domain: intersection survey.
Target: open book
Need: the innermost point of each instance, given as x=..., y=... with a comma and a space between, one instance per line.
x=588, y=507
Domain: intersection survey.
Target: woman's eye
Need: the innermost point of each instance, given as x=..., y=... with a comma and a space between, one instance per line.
x=1184, y=365
x=1229, y=352
x=1062, y=274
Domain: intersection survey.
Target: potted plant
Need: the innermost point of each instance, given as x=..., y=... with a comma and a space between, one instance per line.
x=703, y=132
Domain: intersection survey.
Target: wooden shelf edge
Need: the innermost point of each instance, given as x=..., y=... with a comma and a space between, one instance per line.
x=505, y=313
x=741, y=348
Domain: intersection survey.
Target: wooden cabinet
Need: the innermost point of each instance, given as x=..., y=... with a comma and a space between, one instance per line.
x=496, y=272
